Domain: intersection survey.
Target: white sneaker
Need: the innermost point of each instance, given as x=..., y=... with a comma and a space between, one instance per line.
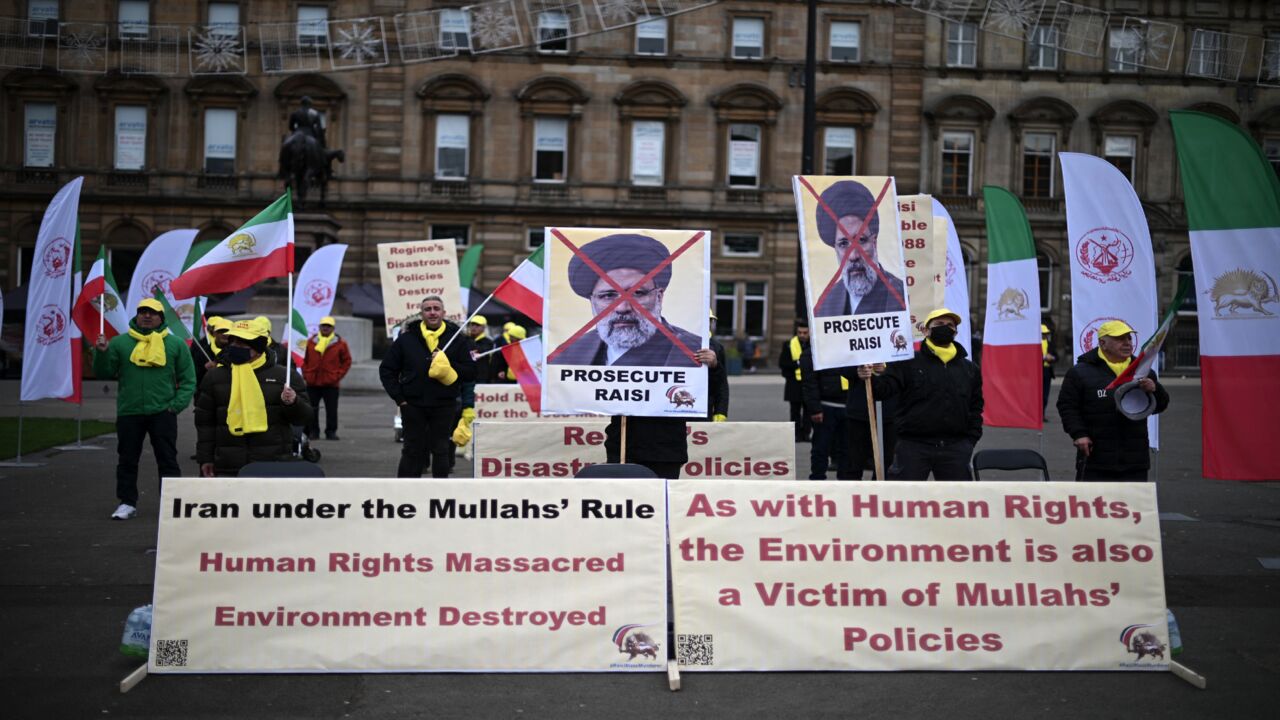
x=124, y=512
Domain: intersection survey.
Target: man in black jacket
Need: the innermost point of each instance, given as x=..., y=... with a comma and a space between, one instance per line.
x=825, y=394
x=717, y=376
x=425, y=383
x=789, y=364
x=1109, y=446
x=939, y=416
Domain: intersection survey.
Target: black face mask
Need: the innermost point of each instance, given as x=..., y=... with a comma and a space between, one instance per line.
x=942, y=334
x=236, y=354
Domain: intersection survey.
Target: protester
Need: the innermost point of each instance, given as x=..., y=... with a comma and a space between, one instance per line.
x=1109, y=446
x=1049, y=359
x=633, y=331
x=939, y=416
x=658, y=443
x=825, y=394
x=425, y=382
x=476, y=330
x=326, y=362
x=204, y=352
x=717, y=376
x=273, y=346
x=247, y=407
x=157, y=380
x=499, y=370
x=789, y=364
x=857, y=420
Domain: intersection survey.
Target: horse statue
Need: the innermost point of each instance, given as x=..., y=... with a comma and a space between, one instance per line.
x=305, y=162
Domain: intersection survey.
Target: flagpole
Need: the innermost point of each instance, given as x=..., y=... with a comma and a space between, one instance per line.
x=288, y=336
x=499, y=349
x=468, y=320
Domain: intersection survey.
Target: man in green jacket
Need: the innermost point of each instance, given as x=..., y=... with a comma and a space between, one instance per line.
x=157, y=380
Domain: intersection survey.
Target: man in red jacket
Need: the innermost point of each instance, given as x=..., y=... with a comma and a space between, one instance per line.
x=327, y=361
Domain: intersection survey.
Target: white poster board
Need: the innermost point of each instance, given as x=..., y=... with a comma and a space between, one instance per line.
x=411, y=271
x=403, y=575
x=924, y=251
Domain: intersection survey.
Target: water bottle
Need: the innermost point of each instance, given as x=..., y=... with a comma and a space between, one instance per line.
x=1175, y=635
x=136, y=642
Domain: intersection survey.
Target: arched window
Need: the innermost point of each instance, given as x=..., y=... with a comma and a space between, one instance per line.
x=649, y=111
x=745, y=116
x=551, y=107
x=1042, y=128
x=958, y=128
x=1048, y=280
x=1121, y=136
x=453, y=105
x=845, y=117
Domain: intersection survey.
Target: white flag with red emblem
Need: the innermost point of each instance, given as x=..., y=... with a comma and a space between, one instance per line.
x=46, y=354
x=317, y=286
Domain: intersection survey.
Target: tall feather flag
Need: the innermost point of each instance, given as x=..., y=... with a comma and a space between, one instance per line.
x=46, y=362
x=1233, y=213
x=1011, y=357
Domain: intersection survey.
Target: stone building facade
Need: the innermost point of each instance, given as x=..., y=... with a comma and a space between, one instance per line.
x=696, y=123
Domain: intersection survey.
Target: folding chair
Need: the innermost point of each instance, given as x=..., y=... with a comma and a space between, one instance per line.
x=281, y=469
x=1009, y=459
x=616, y=470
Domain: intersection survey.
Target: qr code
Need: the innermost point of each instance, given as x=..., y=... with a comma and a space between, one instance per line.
x=695, y=650
x=171, y=653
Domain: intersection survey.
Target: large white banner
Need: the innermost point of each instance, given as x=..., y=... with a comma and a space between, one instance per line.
x=1113, y=270
x=160, y=263
x=411, y=271
x=398, y=575
x=924, y=257
x=856, y=299
x=46, y=348
x=317, y=285
x=917, y=576
x=624, y=314
x=957, y=277
x=562, y=448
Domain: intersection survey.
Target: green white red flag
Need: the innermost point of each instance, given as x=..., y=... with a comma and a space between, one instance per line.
x=262, y=248
x=525, y=360
x=1011, y=356
x=99, y=304
x=297, y=337
x=1233, y=214
x=1151, y=348
x=522, y=290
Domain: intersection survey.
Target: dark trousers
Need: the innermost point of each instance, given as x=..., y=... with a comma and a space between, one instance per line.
x=861, y=453
x=329, y=396
x=1084, y=473
x=130, y=431
x=804, y=427
x=915, y=459
x=1048, y=382
x=829, y=439
x=426, y=433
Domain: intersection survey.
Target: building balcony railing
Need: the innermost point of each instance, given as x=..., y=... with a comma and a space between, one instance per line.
x=129, y=180
x=38, y=176
x=744, y=197
x=1042, y=206
x=451, y=188
x=954, y=203
x=647, y=194
x=223, y=183
x=549, y=192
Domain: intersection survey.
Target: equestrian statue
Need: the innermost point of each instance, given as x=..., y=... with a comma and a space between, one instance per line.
x=305, y=158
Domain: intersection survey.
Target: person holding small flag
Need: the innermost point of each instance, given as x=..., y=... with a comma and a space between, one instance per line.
x=1109, y=445
x=247, y=407
x=327, y=361
x=205, y=351
x=477, y=329
x=157, y=379
x=511, y=333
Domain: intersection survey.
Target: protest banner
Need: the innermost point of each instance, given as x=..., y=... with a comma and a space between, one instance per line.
x=561, y=448
x=411, y=271
x=346, y=575
x=857, y=301
x=917, y=576
x=625, y=312
x=924, y=251
x=507, y=403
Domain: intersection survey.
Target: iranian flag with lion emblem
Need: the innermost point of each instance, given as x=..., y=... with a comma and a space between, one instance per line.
x=262, y=248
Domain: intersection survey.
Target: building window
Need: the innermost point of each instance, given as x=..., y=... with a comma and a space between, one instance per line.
x=1122, y=50
x=1186, y=270
x=43, y=15
x=219, y=141
x=533, y=238
x=1205, y=56
x=845, y=41
x=550, y=149
x=1044, y=265
x=313, y=25
x=1271, y=146
x=957, y=163
x=651, y=37
x=131, y=137
x=755, y=302
x=726, y=307
x=1121, y=151
x=962, y=45
x=459, y=234
x=648, y=152
x=455, y=30
x=1037, y=164
x=453, y=136
x=748, y=38
x=133, y=18
x=1043, y=48
x=40, y=133
x=224, y=17
x=553, y=32
x=744, y=156
x=1269, y=72
x=840, y=150
x=742, y=245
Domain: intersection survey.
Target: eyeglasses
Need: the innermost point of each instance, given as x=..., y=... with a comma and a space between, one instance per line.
x=644, y=296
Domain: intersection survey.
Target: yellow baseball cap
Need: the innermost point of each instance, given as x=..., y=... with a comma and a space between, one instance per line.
x=713, y=315
x=1044, y=329
x=247, y=329
x=326, y=320
x=219, y=324
x=1114, y=328
x=942, y=312
x=518, y=332
x=479, y=320
x=150, y=304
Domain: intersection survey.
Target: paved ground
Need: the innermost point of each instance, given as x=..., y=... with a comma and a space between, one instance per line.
x=69, y=576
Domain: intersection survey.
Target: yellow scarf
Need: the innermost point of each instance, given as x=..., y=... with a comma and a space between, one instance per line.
x=215, y=348
x=1116, y=367
x=795, y=354
x=1044, y=350
x=322, y=341
x=945, y=354
x=149, y=351
x=247, y=411
x=431, y=336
